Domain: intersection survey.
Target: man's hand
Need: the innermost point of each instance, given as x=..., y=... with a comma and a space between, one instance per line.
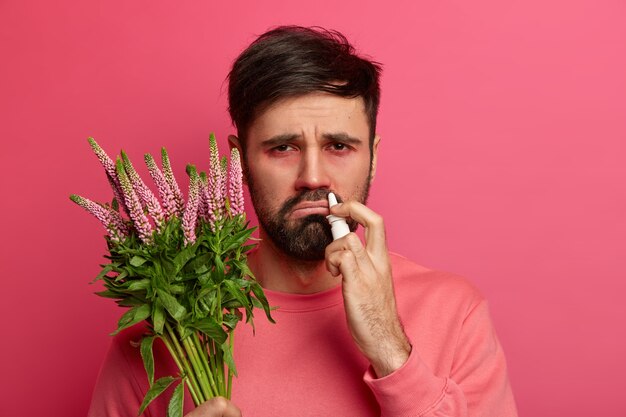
x=216, y=407
x=368, y=294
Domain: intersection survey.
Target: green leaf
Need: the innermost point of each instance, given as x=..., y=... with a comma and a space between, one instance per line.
x=169, y=269
x=158, y=279
x=157, y=389
x=238, y=239
x=183, y=257
x=228, y=357
x=177, y=289
x=204, y=278
x=175, y=407
x=246, y=248
x=171, y=305
x=137, y=260
x=158, y=317
x=242, y=267
x=107, y=268
x=234, y=290
x=132, y=317
x=109, y=294
x=141, y=284
x=203, y=268
x=219, y=268
x=258, y=293
x=148, y=357
x=231, y=320
x=200, y=264
x=257, y=303
x=121, y=276
x=131, y=302
x=232, y=303
x=211, y=328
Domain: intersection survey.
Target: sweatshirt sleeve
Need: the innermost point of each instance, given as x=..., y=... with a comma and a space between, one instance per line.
x=477, y=385
x=117, y=392
x=122, y=382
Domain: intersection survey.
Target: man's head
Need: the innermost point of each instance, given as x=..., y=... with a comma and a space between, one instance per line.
x=305, y=110
x=292, y=61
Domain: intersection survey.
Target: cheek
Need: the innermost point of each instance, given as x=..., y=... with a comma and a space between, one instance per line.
x=276, y=175
x=265, y=187
x=353, y=176
x=264, y=180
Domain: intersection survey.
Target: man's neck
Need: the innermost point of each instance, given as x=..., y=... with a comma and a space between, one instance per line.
x=276, y=271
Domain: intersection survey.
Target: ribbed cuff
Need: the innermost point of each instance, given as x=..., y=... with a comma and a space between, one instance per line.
x=407, y=392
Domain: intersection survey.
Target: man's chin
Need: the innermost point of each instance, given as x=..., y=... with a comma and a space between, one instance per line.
x=305, y=239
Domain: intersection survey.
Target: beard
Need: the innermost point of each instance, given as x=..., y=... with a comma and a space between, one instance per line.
x=304, y=238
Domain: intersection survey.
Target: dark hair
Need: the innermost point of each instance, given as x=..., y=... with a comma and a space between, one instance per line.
x=289, y=61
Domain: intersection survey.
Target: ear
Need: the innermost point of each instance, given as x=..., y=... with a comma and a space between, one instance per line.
x=234, y=142
x=374, y=156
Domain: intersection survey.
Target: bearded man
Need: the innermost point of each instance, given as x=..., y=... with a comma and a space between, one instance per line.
x=359, y=331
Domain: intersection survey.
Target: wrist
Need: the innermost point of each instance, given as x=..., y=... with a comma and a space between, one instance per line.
x=391, y=355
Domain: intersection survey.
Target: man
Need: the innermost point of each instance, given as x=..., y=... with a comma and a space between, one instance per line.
x=360, y=331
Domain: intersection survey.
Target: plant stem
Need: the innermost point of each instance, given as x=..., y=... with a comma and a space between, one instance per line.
x=219, y=371
x=185, y=361
x=198, y=368
x=204, y=361
x=220, y=364
x=212, y=352
x=231, y=338
x=181, y=368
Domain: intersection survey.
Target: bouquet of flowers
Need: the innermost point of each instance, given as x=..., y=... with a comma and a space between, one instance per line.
x=181, y=267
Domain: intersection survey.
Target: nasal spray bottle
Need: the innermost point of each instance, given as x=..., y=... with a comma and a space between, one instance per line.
x=338, y=226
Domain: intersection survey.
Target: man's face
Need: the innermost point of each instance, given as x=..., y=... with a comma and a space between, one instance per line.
x=297, y=151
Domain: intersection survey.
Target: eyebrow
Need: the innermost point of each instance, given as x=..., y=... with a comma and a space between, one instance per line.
x=342, y=137
x=282, y=139
x=279, y=139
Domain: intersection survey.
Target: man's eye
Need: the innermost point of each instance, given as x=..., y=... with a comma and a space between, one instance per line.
x=339, y=146
x=282, y=148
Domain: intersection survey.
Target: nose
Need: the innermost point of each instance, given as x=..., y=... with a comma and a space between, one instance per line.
x=312, y=171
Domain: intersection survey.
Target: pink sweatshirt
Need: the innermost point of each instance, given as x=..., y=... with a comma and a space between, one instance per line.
x=308, y=365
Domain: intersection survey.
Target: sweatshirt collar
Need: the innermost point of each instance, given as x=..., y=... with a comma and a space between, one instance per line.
x=289, y=302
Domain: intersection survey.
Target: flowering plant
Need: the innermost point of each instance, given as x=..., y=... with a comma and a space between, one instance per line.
x=180, y=267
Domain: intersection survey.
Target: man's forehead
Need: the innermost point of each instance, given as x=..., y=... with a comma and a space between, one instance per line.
x=315, y=100
x=330, y=113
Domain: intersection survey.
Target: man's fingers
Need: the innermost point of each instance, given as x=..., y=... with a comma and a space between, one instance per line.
x=341, y=262
x=346, y=256
x=370, y=220
x=215, y=407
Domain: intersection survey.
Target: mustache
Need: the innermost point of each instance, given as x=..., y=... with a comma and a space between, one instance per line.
x=309, y=195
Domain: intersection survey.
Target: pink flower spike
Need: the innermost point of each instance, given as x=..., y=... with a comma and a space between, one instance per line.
x=171, y=181
x=140, y=221
x=101, y=213
x=209, y=200
x=117, y=220
x=222, y=184
x=215, y=189
x=147, y=197
x=203, y=202
x=190, y=216
x=167, y=197
x=109, y=167
x=235, y=179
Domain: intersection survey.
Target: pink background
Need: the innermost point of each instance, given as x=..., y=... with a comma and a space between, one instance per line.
x=503, y=126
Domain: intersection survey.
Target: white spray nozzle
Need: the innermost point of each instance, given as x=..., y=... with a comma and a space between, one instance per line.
x=338, y=226
x=332, y=200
